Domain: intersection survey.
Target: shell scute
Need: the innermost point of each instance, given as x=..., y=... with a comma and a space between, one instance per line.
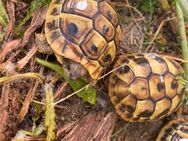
x=129, y=103
x=104, y=27
x=157, y=87
x=107, y=10
x=174, y=67
x=51, y=24
x=86, y=8
x=140, y=64
x=144, y=109
x=108, y=55
x=93, y=46
x=139, y=88
x=125, y=74
x=121, y=90
x=75, y=28
x=161, y=109
x=158, y=64
x=171, y=85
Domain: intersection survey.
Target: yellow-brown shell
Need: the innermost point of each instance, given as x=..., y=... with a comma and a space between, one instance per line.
x=85, y=31
x=146, y=87
x=175, y=130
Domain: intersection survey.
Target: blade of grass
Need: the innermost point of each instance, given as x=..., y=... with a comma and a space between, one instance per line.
x=1, y=36
x=184, y=6
x=184, y=44
x=87, y=94
x=8, y=79
x=3, y=14
x=3, y=22
x=50, y=113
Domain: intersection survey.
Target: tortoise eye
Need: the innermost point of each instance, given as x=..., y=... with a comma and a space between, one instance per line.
x=73, y=29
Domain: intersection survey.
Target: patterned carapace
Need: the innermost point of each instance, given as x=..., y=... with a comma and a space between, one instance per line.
x=85, y=31
x=175, y=130
x=146, y=87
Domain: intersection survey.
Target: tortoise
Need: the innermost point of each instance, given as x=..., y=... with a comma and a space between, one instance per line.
x=145, y=86
x=83, y=33
x=175, y=130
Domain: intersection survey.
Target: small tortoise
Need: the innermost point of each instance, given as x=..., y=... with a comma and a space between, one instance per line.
x=85, y=32
x=146, y=87
x=175, y=130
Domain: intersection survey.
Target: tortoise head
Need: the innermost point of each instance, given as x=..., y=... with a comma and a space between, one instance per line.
x=74, y=70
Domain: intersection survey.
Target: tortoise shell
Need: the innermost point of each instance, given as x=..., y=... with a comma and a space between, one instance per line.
x=145, y=87
x=175, y=130
x=85, y=31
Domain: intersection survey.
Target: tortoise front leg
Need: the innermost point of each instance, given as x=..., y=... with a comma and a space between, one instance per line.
x=42, y=44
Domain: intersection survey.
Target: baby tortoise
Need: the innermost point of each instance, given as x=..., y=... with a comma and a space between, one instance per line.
x=175, y=130
x=85, y=33
x=146, y=87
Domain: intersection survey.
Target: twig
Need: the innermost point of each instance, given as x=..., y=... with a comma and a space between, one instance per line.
x=37, y=21
x=8, y=47
x=60, y=90
x=176, y=58
x=70, y=95
x=26, y=59
x=132, y=15
x=11, y=24
x=4, y=102
x=38, y=102
x=27, y=101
